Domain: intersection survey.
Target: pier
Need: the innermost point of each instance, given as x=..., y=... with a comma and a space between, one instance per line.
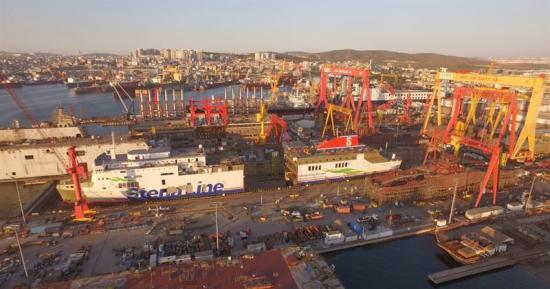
x=485, y=265
x=401, y=233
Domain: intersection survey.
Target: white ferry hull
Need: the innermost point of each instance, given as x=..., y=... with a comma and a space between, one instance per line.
x=346, y=173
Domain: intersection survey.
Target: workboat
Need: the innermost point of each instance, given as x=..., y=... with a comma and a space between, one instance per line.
x=338, y=158
x=157, y=174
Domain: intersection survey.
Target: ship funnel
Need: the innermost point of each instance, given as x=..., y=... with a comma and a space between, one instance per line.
x=113, y=149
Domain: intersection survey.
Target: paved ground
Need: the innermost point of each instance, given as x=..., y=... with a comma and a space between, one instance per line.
x=235, y=213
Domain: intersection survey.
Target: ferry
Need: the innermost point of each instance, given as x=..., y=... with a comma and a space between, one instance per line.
x=334, y=159
x=157, y=174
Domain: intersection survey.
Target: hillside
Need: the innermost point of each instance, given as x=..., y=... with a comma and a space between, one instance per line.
x=417, y=60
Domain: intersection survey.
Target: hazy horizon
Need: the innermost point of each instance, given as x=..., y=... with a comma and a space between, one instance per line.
x=468, y=28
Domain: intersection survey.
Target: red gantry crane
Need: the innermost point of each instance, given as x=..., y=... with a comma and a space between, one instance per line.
x=465, y=129
x=348, y=102
x=208, y=108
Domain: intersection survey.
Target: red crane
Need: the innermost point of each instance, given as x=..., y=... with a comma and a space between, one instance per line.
x=79, y=170
x=81, y=205
x=208, y=108
x=277, y=126
x=456, y=132
x=348, y=102
x=406, y=117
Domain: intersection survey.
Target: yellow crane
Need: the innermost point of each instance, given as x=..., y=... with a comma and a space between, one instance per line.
x=347, y=112
x=260, y=117
x=274, y=83
x=535, y=83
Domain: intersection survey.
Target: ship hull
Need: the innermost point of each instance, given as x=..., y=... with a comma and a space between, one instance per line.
x=67, y=196
x=333, y=176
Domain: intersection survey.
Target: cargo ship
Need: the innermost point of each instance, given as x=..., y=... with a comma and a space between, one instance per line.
x=157, y=174
x=334, y=159
x=11, y=84
x=95, y=88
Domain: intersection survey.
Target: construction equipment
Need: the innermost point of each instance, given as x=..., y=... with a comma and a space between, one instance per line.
x=260, y=117
x=347, y=112
x=406, y=117
x=535, y=83
x=208, y=108
x=82, y=212
x=274, y=84
x=278, y=127
x=463, y=131
x=348, y=102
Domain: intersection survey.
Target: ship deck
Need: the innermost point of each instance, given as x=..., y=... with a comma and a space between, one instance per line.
x=306, y=155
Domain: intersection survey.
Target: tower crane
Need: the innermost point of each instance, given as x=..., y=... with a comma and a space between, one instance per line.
x=76, y=170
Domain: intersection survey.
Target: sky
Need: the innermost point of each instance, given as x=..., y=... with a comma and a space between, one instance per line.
x=473, y=28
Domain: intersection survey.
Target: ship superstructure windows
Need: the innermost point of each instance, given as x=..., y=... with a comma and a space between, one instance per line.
x=128, y=185
x=314, y=168
x=341, y=165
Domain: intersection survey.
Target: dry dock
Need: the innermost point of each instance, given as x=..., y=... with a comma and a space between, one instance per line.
x=484, y=266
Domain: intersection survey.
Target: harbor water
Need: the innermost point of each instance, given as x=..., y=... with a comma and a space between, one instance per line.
x=406, y=263
x=41, y=100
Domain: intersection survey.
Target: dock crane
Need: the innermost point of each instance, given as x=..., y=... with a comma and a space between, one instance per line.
x=460, y=132
x=406, y=117
x=274, y=84
x=364, y=95
x=527, y=133
x=260, y=117
x=347, y=112
x=277, y=127
x=81, y=209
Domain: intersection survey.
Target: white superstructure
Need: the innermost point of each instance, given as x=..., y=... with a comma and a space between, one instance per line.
x=157, y=174
x=26, y=161
x=340, y=158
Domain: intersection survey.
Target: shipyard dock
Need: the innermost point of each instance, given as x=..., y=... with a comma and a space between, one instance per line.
x=400, y=233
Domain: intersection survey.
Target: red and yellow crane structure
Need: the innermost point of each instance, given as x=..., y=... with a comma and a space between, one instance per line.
x=535, y=84
x=357, y=108
x=499, y=107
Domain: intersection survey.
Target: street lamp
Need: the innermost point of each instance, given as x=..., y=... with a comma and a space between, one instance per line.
x=531, y=189
x=217, y=229
x=21, y=254
x=20, y=203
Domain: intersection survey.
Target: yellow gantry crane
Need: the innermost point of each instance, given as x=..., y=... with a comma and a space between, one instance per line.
x=347, y=112
x=535, y=83
x=260, y=117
